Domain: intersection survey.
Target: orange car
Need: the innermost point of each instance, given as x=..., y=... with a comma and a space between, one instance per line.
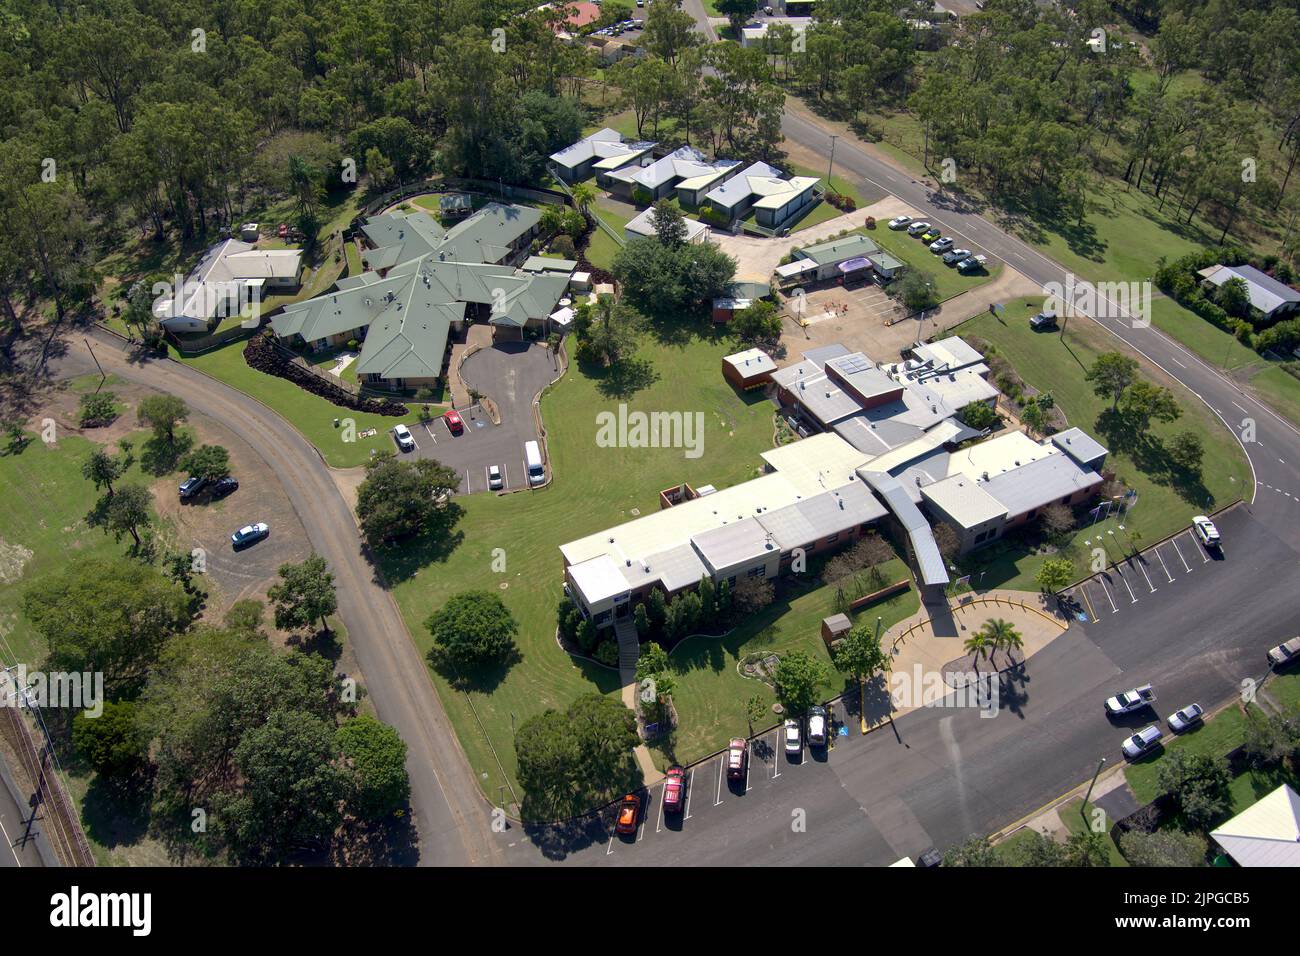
x=628, y=811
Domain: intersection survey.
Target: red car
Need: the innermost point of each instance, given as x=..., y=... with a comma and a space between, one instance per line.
x=737, y=758
x=283, y=231
x=454, y=424
x=675, y=790
x=628, y=811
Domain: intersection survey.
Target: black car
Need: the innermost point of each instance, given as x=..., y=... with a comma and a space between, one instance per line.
x=224, y=486
x=192, y=486
x=1043, y=321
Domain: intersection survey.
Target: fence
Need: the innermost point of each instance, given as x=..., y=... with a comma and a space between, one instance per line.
x=996, y=601
x=197, y=345
x=295, y=358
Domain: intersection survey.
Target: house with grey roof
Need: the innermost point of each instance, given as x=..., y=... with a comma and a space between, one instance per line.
x=1270, y=298
x=432, y=282
x=774, y=199
x=685, y=168
x=600, y=152
x=228, y=277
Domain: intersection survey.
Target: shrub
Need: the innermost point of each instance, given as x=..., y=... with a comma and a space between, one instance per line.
x=97, y=409
x=871, y=222
x=607, y=653
x=562, y=245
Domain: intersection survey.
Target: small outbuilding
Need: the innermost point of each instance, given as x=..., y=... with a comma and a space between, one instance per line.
x=835, y=627
x=751, y=368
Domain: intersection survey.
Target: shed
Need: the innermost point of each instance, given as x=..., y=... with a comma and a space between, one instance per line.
x=248, y=232
x=751, y=368
x=835, y=627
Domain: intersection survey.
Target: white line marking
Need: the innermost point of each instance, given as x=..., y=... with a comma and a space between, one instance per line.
x=1174, y=542
x=717, y=801
x=690, y=780
x=1106, y=590
x=1162, y=564
x=1144, y=573
x=1132, y=596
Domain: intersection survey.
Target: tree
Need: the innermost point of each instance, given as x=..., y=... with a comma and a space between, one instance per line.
x=1163, y=848
x=615, y=330
x=103, y=469
x=978, y=646
x=976, y=851
x=760, y=322
x=96, y=409
x=917, y=290
x=796, y=681
x=401, y=499
x=1055, y=575
x=208, y=461
x=128, y=512
x=652, y=662
x=107, y=616
x=1186, y=450
x=1111, y=374
x=641, y=620
x=752, y=594
x=162, y=413
x=656, y=608
x=584, y=194
x=859, y=653
x=1087, y=848
x=755, y=711
x=1057, y=519
x=737, y=12
x=471, y=629
x=305, y=595
x=113, y=743
x=1001, y=636
x=1198, y=783
x=669, y=223
x=375, y=758
x=979, y=415
x=1234, y=298
x=1144, y=403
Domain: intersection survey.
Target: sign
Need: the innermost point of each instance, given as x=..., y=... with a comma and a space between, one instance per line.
x=843, y=732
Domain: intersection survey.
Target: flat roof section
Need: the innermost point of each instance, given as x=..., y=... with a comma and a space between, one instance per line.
x=964, y=501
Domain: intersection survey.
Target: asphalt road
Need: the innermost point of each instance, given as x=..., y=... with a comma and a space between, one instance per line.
x=940, y=774
x=13, y=826
x=450, y=814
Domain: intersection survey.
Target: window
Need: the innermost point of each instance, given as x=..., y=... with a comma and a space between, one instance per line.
x=833, y=538
x=757, y=572
x=1065, y=500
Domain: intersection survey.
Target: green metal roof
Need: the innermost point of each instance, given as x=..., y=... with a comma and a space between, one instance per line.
x=838, y=250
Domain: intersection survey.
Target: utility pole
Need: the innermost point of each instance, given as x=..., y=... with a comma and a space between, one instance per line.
x=103, y=377
x=1083, y=807
x=831, y=165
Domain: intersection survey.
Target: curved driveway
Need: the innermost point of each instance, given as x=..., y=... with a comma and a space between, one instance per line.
x=450, y=814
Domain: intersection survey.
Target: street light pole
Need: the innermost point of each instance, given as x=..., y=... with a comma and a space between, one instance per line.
x=831, y=165
x=1083, y=807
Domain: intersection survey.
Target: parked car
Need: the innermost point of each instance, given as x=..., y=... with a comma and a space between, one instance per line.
x=930, y=235
x=454, y=424
x=899, y=222
x=954, y=256
x=495, y=481
x=628, y=811
x=793, y=737
x=737, y=758
x=817, y=726
x=223, y=486
x=1043, y=321
x=930, y=859
x=675, y=790
x=1285, y=654
x=940, y=246
x=1186, y=718
x=1141, y=742
x=402, y=435
x=1131, y=700
x=916, y=228
x=249, y=534
x=1206, y=531
x=973, y=264
x=192, y=486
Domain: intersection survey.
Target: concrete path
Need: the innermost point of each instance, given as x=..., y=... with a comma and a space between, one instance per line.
x=478, y=336
x=629, y=649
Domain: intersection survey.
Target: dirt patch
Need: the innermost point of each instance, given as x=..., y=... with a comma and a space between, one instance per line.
x=13, y=558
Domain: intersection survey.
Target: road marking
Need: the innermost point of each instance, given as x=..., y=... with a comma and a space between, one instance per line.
x=1174, y=542
x=1176, y=362
x=1132, y=596
x=776, y=764
x=610, y=849
x=1091, y=613
x=718, y=801
x=1144, y=573
x=1205, y=558
x=468, y=486
x=690, y=782
x=1243, y=408
x=1106, y=591
x=1162, y=564
x=663, y=794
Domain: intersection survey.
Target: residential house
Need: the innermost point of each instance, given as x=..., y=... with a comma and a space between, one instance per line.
x=762, y=188
x=643, y=227
x=1270, y=298
x=602, y=151
x=229, y=277
x=648, y=184
x=1266, y=833
x=751, y=368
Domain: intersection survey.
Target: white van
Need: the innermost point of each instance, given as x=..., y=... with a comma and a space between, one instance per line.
x=533, y=463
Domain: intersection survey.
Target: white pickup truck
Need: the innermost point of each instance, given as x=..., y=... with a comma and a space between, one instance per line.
x=1132, y=700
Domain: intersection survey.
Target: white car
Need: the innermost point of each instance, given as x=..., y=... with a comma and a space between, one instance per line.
x=941, y=245
x=916, y=228
x=898, y=222
x=495, y=481
x=1186, y=718
x=1141, y=742
x=817, y=726
x=402, y=435
x=250, y=533
x=793, y=737
x=1285, y=654
x=1206, y=531
x=1131, y=700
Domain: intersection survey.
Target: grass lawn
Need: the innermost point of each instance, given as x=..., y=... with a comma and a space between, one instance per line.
x=1216, y=736
x=593, y=488
x=1167, y=500
x=1069, y=815
x=312, y=415
x=917, y=255
x=602, y=248
x=1285, y=689
x=49, y=531
x=711, y=693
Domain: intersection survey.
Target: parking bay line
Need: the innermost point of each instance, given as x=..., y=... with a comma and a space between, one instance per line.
x=1134, y=560
x=718, y=800
x=1205, y=558
x=1178, y=550
x=1132, y=597
x=690, y=782
x=1106, y=591
x=1156, y=549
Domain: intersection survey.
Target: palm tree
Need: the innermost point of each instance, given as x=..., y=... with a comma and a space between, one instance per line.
x=584, y=194
x=1001, y=636
x=977, y=645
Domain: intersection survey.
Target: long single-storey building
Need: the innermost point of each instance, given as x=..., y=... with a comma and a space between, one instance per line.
x=763, y=188
x=230, y=275
x=600, y=152
x=1270, y=298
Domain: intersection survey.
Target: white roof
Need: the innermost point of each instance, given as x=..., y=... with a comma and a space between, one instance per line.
x=685, y=162
x=1267, y=833
x=964, y=501
x=954, y=352
x=751, y=361
x=795, y=268
x=644, y=225
x=606, y=143
x=598, y=578
x=998, y=456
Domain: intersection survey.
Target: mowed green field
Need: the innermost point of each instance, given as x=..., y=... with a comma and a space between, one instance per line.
x=1050, y=363
x=593, y=488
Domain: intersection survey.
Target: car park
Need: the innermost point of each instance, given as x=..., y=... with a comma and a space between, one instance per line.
x=402, y=435
x=675, y=790
x=793, y=737
x=1141, y=742
x=1131, y=700
x=973, y=264
x=223, y=486
x=533, y=463
x=1185, y=719
x=495, y=481
x=737, y=758
x=629, y=809
x=954, y=256
x=930, y=235
x=916, y=228
x=1043, y=321
x=249, y=534
x=454, y=424
x=940, y=246
x=899, y=222
x=1206, y=531
x=1285, y=654
x=817, y=726
x=192, y=486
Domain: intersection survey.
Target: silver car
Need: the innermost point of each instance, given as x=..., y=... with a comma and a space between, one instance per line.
x=1186, y=718
x=793, y=737
x=495, y=482
x=1141, y=742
